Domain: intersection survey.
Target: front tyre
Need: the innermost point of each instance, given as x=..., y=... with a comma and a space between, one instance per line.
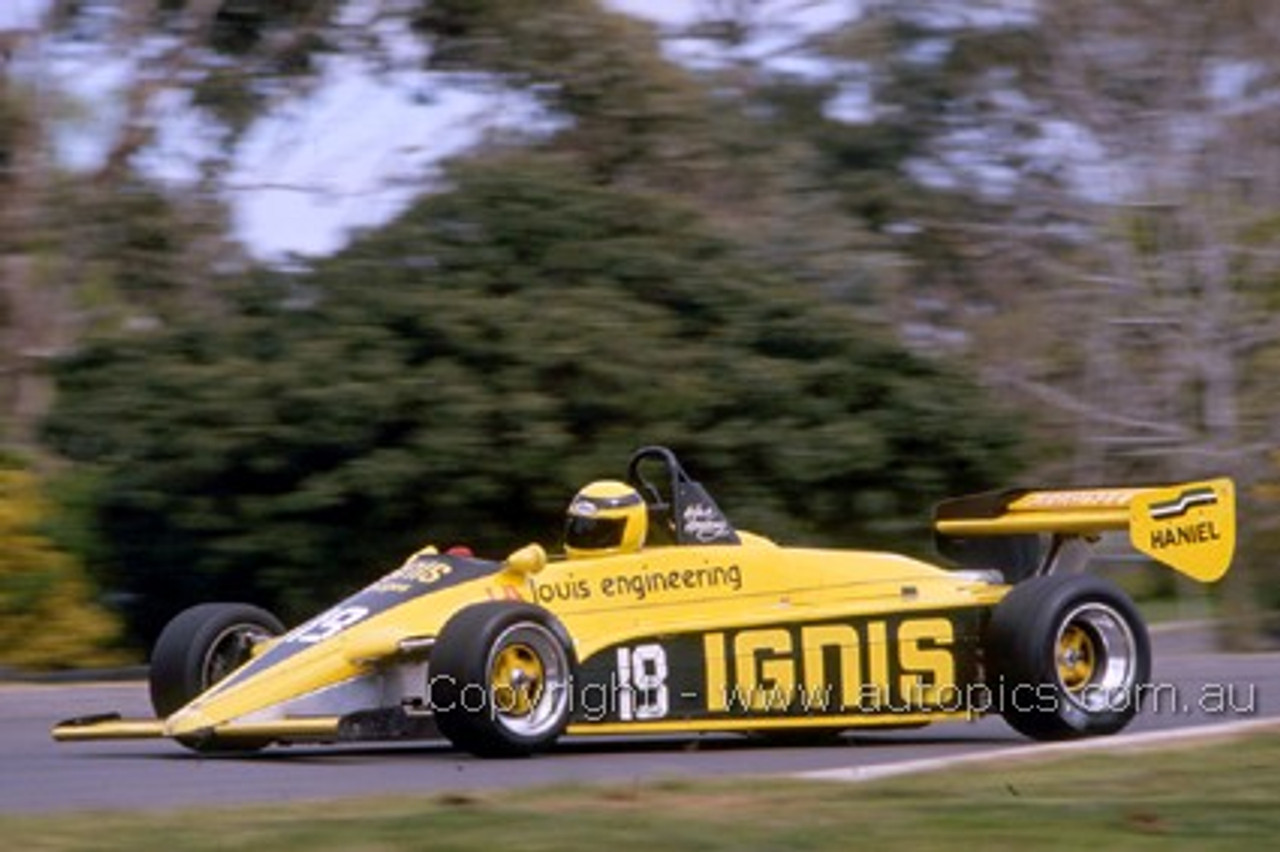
x=500, y=679
x=1067, y=656
x=201, y=646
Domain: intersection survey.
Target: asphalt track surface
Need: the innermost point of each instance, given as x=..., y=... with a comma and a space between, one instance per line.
x=40, y=776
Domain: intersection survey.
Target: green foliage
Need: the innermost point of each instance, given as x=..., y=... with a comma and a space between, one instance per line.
x=135, y=238
x=458, y=375
x=12, y=120
x=130, y=253
x=47, y=616
x=669, y=278
x=633, y=115
x=16, y=126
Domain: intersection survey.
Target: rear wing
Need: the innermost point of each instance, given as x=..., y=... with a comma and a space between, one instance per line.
x=1191, y=527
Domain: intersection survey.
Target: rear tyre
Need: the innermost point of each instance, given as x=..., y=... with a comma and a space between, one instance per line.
x=201, y=646
x=500, y=679
x=1067, y=656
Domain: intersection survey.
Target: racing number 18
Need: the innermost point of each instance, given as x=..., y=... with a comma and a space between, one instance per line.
x=642, y=683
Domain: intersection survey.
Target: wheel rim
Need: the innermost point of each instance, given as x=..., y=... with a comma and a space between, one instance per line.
x=1077, y=657
x=1096, y=657
x=517, y=679
x=229, y=650
x=528, y=680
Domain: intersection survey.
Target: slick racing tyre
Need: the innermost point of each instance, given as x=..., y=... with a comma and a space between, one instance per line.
x=201, y=646
x=500, y=679
x=1067, y=656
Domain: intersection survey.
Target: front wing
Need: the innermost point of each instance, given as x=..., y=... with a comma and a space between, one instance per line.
x=363, y=726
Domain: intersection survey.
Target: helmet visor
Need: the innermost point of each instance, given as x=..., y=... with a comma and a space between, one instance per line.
x=593, y=533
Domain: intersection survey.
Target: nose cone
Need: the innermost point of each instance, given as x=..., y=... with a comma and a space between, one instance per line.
x=186, y=723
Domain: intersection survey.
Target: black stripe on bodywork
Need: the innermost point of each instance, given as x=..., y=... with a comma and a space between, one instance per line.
x=408, y=582
x=602, y=688
x=1183, y=503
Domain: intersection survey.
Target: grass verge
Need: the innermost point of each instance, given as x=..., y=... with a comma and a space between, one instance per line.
x=1218, y=794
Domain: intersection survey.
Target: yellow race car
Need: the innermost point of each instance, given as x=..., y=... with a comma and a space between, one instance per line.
x=662, y=617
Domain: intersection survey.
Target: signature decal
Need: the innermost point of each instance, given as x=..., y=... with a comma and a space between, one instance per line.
x=704, y=524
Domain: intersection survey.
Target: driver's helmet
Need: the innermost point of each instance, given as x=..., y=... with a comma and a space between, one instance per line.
x=605, y=517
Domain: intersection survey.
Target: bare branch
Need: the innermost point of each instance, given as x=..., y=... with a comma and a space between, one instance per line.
x=1064, y=401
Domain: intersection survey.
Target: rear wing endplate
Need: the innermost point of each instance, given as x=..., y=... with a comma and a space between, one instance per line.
x=1191, y=527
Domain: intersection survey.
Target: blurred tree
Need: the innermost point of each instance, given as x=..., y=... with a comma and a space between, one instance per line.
x=31, y=315
x=94, y=246
x=47, y=616
x=458, y=375
x=725, y=141
x=630, y=112
x=1115, y=272
x=1075, y=199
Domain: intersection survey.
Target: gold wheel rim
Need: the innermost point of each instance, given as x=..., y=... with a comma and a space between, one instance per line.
x=1077, y=658
x=516, y=680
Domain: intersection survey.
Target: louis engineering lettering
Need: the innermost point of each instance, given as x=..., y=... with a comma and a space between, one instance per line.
x=639, y=585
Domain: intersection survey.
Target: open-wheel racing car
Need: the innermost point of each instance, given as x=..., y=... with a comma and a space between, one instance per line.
x=662, y=617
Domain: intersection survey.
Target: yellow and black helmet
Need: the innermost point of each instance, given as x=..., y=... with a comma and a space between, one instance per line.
x=605, y=517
